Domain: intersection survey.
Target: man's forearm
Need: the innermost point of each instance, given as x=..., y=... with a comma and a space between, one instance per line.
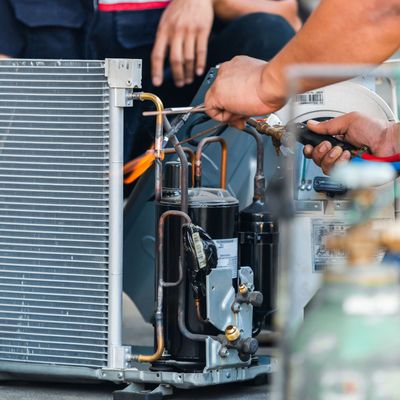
x=366, y=32
x=231, y=9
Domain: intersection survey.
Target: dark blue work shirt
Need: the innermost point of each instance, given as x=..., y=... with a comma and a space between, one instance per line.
x=21, y=18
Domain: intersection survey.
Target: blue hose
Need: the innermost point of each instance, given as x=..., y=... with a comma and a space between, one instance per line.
x=395, y=165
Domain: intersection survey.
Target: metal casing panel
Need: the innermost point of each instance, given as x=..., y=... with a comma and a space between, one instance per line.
x=54, y=212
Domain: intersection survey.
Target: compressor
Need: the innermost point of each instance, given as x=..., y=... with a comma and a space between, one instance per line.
x=215, y=211
x=208, y=309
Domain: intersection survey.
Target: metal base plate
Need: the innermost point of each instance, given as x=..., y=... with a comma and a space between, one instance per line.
x=190, y=380
x=138, y=378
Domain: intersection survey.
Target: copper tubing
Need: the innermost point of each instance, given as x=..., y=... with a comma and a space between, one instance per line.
x=159, y=318
x=189, y=152
x=224, y=158
x=198, y=311
x=158, y=140
x=160, y=346
x=143, y=96
x=259, y=178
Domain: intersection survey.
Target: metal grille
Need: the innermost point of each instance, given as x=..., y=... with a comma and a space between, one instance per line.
x=54, y=191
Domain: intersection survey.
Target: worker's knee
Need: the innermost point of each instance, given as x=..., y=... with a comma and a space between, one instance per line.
x=263, y=35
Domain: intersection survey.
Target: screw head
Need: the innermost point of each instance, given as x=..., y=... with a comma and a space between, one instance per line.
x=224, y=352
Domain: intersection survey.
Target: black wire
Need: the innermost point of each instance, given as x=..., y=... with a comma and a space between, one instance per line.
x=200, y=119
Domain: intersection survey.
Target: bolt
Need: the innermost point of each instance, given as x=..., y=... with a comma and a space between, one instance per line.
x=129, y=83
x=228, y=375
x=224, y=352
x=236, y=308
x=120, y=375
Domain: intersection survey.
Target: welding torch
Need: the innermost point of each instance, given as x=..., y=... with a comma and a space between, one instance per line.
x=287, y=135
x=281, y=134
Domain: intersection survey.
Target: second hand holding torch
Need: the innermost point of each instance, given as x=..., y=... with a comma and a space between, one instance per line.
x=287, y=135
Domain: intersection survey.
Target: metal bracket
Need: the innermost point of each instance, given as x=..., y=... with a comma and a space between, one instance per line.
x=119, y=356
x=123, y=73
x=245, y=316
x=123, y=98
x=215, y=361
x=136, y=391
x=309, y=206
x=220, y=297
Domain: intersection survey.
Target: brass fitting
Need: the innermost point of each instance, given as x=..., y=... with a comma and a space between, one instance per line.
x=232, y=333
x=243, y=289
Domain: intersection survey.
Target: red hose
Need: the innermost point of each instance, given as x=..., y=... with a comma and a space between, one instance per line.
x=370, y=157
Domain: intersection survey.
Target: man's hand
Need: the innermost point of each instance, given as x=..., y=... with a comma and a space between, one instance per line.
x=4, y=56
x=381, y=137
x=184, y=30
x=238, y=92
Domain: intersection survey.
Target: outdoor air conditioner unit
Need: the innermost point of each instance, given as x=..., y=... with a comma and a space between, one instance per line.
x=61, y=219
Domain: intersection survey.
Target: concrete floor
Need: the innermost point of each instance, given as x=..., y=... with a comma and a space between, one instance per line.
x=135, y=331
x=36, y=391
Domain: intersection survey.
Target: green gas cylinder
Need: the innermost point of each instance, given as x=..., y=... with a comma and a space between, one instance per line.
x=348, y=347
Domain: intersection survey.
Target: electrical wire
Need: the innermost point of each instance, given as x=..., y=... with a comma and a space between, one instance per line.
x=208, y=131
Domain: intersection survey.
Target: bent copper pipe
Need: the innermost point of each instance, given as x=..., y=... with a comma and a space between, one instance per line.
x=189, y=152
x=158, y=140
x=259, y=178
x=199, y=317
x=224, y=158
x=159, y=317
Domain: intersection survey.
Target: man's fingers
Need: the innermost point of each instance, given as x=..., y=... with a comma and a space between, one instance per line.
x=220, y=115
x=334, y=126
x=308, y=150
x=189, y=49
x=157, y=59
x=320, y=152
x=201, y=52
x=346, y=156
x=331, y=158
x=176, y=60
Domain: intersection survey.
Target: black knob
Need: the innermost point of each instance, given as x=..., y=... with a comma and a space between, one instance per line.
x=256, y=299
x=250, y=346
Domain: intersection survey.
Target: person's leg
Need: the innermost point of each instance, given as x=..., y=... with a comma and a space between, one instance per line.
x=258, y=35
